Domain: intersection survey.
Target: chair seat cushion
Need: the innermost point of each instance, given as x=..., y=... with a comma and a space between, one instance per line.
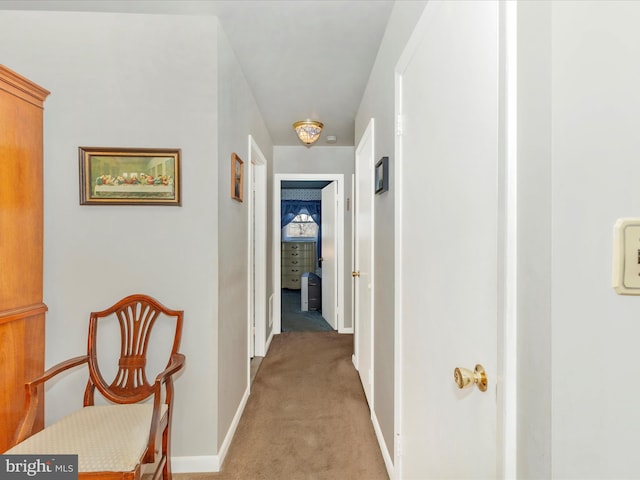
x=106, y=438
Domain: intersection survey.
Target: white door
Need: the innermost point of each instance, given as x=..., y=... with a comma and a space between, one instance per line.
x=448, y=193
x=252, y=269
x=329, y=239
x=363, y=261
x=257, y=253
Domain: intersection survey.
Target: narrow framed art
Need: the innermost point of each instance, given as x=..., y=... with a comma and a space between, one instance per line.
x=382, y=175
x=129, y=176
x=237, y=177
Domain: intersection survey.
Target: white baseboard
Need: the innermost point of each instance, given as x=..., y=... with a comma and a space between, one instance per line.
x=201, y=464
x=268, y=344
x=388, y=462
x=232, y=428
x=210, y=463
x=346, y=330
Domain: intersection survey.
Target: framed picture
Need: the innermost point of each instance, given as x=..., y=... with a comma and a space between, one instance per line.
x=237, y=177
x=129, y=176
x=382, y=175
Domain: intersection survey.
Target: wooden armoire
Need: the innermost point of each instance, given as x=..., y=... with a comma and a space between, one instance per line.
x=22, y=312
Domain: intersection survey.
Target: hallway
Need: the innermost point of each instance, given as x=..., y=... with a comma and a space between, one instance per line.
x=306, y=416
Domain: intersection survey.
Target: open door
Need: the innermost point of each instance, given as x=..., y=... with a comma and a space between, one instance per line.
x=329, y=257
x=257, y=251
x=450, y=234
x=363, y=261
x=252, y=271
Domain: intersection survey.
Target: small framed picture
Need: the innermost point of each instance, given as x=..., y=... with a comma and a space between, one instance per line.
x=382, y=175
x=129, y=176
x=237, y=177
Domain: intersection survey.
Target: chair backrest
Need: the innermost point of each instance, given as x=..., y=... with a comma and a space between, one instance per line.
x=136, y=315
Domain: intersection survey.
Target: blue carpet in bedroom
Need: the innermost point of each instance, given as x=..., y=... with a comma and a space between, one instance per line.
x=295, y=320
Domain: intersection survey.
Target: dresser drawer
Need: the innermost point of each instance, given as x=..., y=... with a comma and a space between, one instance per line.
x=292, y=270
x=291, y=281
x=297, y=247
x=294, y=261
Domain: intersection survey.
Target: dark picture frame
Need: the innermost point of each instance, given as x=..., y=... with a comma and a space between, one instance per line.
x=382, y=175
x=237, y=177
x=129, y=176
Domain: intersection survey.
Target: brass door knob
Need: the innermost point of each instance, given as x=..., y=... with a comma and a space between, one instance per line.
x=355, y=274
x=466, y=378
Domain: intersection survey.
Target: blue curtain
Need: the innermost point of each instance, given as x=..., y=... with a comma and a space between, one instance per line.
x=290, y=208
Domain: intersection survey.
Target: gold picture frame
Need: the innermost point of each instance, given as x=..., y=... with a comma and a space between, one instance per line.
x=129, y=176
x=237, y=177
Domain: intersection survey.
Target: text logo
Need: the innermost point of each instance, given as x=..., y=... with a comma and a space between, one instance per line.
x=26, y=467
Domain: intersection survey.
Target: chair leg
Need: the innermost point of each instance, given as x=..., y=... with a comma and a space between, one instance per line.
x=166, y=452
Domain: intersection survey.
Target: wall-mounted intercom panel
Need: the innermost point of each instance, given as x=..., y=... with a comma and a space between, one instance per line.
x=626, y=256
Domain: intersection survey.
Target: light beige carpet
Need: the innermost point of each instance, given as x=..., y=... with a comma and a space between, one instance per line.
x=306, y=417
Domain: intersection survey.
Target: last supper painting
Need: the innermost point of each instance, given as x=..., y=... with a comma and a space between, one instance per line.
x=132, y=176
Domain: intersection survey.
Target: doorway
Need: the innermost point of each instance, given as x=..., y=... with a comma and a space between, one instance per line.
x=332, y=283
x=257, y=253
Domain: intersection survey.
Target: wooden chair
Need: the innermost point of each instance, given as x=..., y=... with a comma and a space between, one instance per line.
x=117, y=438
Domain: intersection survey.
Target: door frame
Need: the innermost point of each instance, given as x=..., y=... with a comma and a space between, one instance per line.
x=276, y=253
x=257, y=253
x=369, y=376
x=508, y=338
x=506, y=388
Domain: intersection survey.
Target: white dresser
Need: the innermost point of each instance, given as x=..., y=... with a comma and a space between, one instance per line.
x=297, y=258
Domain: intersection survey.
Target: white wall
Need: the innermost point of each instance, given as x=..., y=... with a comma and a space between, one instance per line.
x=241, y=117
x=318, y=160
x=578, y=103
x=144, y=81
x=595, y=171
x=378, y=102
x=534, y=241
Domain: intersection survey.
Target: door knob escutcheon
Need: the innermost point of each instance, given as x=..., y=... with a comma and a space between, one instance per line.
x=466, y=378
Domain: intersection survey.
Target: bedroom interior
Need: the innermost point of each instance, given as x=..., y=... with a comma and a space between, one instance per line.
x=301, y=257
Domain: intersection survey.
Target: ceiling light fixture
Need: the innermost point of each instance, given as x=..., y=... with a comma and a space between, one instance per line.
x=308, y=131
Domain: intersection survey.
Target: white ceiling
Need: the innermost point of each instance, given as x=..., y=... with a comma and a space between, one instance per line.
x=302, y=58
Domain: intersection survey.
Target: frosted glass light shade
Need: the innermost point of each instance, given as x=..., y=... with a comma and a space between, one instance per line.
x=308, y=131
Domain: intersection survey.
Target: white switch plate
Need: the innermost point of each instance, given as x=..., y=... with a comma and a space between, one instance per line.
x=626, y=256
